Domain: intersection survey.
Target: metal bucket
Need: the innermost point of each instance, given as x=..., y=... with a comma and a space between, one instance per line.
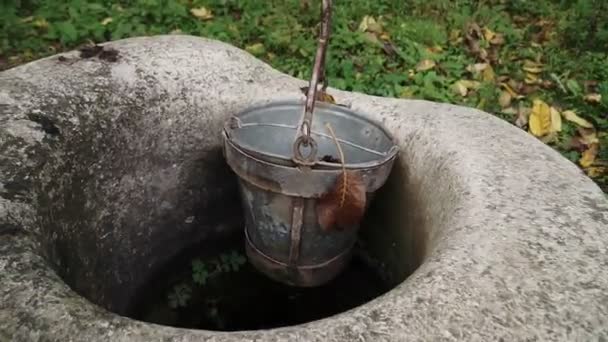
x=284, y=239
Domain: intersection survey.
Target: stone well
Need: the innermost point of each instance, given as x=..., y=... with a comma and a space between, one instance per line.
x=111, y=165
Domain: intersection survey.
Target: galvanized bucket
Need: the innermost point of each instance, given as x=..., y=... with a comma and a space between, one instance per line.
x=281, y=180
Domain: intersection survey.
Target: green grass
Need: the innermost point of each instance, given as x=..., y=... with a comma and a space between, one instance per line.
x=569, y=38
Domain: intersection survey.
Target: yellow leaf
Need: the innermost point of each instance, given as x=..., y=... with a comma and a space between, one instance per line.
x=528, y=64
x=588, y=157
x=488, y=34
x=571, y=116
x=505, y=99
x=540, y=118
x=556, y=121
x=510, y=90
x=255, y=49
x=477, y=68
x=462, y=87
x=531, y=78
x=369, y=24
x=488, y=74
x=41, y=23
x=425, y=64
x=434, y=49
x=385, y=36
x=593, y=98
x=596, y=171
x=202, y=13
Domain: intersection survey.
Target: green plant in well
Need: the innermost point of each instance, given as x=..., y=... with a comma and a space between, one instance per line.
x=226, y=262
x=179, y=296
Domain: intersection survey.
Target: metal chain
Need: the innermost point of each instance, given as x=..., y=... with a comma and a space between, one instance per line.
x=304, y=138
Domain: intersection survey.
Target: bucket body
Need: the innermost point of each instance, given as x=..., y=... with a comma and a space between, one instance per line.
x=284, y=239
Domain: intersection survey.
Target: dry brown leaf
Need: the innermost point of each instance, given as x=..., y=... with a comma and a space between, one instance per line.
x=505, y=99
x=523, y=114
x=202, y=13
x=343, y=206
x=571, y=116
x=498, y=39
x=320, y=95
x=593, y=98
x=425, y=64
x=588, y=157
x=588, y=136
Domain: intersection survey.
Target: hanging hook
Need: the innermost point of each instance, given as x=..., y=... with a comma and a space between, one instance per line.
x=304, y=138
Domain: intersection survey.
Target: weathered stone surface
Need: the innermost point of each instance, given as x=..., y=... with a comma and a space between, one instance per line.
x=107, y=166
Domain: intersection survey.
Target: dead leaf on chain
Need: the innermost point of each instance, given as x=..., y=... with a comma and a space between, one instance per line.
x=343, y=206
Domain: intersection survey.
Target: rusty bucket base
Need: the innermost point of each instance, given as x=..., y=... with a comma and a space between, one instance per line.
x=302, y=275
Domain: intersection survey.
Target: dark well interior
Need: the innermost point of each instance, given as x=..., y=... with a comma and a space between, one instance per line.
x=126, y=203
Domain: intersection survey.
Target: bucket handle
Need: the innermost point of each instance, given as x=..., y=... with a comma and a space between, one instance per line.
x=304, y=138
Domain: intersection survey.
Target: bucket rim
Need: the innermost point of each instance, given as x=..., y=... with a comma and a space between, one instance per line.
x=272, y=158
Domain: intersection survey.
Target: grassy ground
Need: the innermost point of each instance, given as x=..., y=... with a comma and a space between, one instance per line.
x=541, y=65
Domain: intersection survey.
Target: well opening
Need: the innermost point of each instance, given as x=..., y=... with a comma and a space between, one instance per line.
x=156, y=233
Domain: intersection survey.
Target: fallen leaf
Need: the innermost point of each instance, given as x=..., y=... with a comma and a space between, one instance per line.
x=202, y=13
x=425, y=64
x=106, y=21
x=488, y=34
x=596, y=171
x=41, y=23
x=523, y=114
x=588, y=157
x=593, y=98
x=369, y=24
x=320, y=95
x=488, y=74
x=539, y=122
x=477, y=67
x=509, y=89
x=505, y=99
x=532, y=67
x=343, y=206
x=588, y=136
x=463, y=87
x=556, y=121
x=255, y=49
x=571, y=116
x=472, y=36
x=498, y=39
